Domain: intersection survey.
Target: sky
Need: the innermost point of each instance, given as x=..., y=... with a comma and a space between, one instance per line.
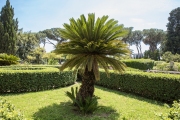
x=38, y=15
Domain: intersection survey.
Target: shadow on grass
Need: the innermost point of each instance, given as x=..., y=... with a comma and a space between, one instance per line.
x=130, y=95
x=65, y=111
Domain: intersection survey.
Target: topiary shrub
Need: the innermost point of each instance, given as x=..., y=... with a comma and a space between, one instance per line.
x=8, y=111
x=8, y=59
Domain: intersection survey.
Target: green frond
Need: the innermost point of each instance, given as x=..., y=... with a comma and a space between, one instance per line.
x=92, y=43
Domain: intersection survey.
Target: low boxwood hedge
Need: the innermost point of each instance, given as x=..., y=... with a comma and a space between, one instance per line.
x=142, y=64
x=162, y=87
x=34, y=80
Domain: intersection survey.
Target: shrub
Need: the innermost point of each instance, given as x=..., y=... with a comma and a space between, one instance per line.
x=8, y=111
x=168, y=56
x=89, y=106
x=8, y=59
x=157, y=86
x=34, y=80
x=155, y=55
x=52, y=62
x=173, y=113
x=142, y=64
x=171, y=66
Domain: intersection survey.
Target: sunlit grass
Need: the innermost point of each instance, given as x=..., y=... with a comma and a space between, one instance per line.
x=54, y=105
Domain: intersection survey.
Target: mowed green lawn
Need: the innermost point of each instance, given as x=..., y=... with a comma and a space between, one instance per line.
x=116, y=105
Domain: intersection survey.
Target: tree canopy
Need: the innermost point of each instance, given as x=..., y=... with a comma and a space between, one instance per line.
x=26, y=43
x=173, y=32
x=153, y=38
x=49, y=35
x=8, y=29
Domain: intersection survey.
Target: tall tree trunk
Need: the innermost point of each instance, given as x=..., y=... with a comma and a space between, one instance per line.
x=87, y=87
x=140, y=50
x=137, y=50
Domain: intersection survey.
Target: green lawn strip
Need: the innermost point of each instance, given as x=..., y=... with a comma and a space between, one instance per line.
x=54, y=105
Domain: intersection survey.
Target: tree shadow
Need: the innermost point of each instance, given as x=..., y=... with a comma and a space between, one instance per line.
x=131, y=95
x=65, y=111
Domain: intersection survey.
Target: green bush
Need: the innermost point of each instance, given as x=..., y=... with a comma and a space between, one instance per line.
x=155, y=55
x=34, y=80
x=8, y=59
x=89, y=106
x=157, y=86
x=142, y=64
x=164, y=66
x=173, y=113
x=8, y=111
x=168, y=56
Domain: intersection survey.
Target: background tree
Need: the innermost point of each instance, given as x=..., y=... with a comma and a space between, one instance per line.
x=52, y=58
x=50, y=36
x=126, y=38
x=26, y=43
x=91, y=43
x=8, y=29
x=173, y=32
x=136, y=39
x=37, y=55
x=153, y=38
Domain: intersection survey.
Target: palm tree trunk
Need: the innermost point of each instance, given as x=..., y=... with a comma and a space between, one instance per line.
x=87, y=87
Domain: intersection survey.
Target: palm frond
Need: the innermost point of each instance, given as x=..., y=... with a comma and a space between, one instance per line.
x=92, y=43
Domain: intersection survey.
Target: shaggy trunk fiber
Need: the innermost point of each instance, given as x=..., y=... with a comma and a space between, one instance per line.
x=87, y=87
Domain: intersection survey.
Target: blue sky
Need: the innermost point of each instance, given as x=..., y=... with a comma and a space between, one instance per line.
x=38, y=15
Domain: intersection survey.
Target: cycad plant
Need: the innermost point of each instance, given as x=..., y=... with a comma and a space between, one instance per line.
x=92, y=44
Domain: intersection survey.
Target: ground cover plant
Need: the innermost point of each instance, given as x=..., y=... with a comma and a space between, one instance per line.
x=55, y=105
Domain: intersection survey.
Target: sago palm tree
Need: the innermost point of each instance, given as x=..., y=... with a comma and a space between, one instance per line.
x=92, y=44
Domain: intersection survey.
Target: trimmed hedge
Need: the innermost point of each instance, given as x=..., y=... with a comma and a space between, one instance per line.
x=162, y=87
x=34, y=80
x=142, y=64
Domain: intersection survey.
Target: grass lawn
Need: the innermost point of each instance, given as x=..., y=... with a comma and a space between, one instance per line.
x=54, y=105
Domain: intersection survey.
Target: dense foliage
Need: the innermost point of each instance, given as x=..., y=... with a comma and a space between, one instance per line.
x=8, y=30
x=23, y=79
x=168, y=56
x=8, y=59
x=8, y=111
x=142, y=64
x=163, y=87
x=174, y=112
x=26, y=44
x=153, y=38
x=154, y=55
x=173, y=32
